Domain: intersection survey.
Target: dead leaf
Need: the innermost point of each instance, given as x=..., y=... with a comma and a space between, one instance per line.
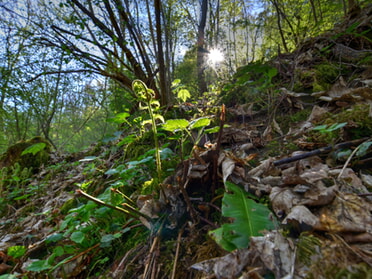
x=282, y=200
x=318, y=195
x=302, y=219
x=347, y=213
x=275, y=251
x=229, y=266
x=228, y=166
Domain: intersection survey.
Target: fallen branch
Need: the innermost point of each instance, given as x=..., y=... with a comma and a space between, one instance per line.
x=325, y=149
x=128, y=209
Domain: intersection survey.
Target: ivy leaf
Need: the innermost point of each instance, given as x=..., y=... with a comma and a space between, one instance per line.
x=173, y=125
x=249, y=219
x=35, y=148
x=77, y=237
x=183, y=94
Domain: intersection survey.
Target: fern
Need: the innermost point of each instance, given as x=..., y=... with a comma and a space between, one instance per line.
x=249, y=219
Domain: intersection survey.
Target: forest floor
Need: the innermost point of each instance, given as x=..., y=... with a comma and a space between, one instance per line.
x=307, y=159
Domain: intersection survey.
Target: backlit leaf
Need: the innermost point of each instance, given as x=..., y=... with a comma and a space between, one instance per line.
x=173, y=125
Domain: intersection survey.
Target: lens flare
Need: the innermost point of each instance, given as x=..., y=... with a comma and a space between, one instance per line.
x=215, y=56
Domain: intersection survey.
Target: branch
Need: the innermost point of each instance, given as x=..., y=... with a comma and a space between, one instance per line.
x=326, y=149
x=59, y=72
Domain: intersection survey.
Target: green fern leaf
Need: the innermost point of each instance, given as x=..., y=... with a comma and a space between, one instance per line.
x=249, y=219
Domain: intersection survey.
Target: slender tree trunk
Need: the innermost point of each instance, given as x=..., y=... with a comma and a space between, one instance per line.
x=202, y=84
x=314, y=11
x=278, y=12
x=164, y=91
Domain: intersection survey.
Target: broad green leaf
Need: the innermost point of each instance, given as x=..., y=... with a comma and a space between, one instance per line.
x=183, y=94
x=35, y=148
x=39, y=266
x=200, y=123
x=77, y=237
x=16, y=251
x=58, y=251
x=249, y=219
x=173, y=125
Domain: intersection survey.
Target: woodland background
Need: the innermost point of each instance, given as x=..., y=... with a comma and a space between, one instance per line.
x=67, y=67
x=185, y=139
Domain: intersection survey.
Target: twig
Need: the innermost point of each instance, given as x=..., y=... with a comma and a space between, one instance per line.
x=348, y=161
x=177, y=254
x=319, y=151
x=216, y=153
x=129, y=210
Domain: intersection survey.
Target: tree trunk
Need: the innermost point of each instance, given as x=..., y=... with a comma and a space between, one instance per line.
x=164, y=91
x=278, y=12
x=202, y=84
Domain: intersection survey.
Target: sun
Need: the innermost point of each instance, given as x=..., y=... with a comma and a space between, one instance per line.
x=215, y=56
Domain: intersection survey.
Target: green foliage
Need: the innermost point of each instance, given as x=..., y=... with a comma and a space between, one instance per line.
x=180, y=91
x=251, y=83
x=29, y=154
x=184, y=128
x=249, y=219
x=16, y=251
x=147, y=96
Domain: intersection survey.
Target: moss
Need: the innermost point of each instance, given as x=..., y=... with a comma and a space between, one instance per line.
x=32, y=160
x=325, y=75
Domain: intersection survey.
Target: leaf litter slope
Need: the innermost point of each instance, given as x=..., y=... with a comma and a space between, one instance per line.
x=322, y=202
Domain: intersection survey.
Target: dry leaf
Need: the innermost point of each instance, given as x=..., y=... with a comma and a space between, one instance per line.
x=302, y=219
x=347, y=213
x=228, y=166
x=229, y=266
x=275, y=252
x=282, y=200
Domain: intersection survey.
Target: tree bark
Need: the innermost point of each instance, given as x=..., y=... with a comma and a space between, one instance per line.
x=201, y=51
x=164, y=96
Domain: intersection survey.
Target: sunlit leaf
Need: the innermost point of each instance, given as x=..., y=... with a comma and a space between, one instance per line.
x=200, y=123
x=16, y=251
x=173, y=125
x=35, y=148
x=183, y=94
x=176, y=82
